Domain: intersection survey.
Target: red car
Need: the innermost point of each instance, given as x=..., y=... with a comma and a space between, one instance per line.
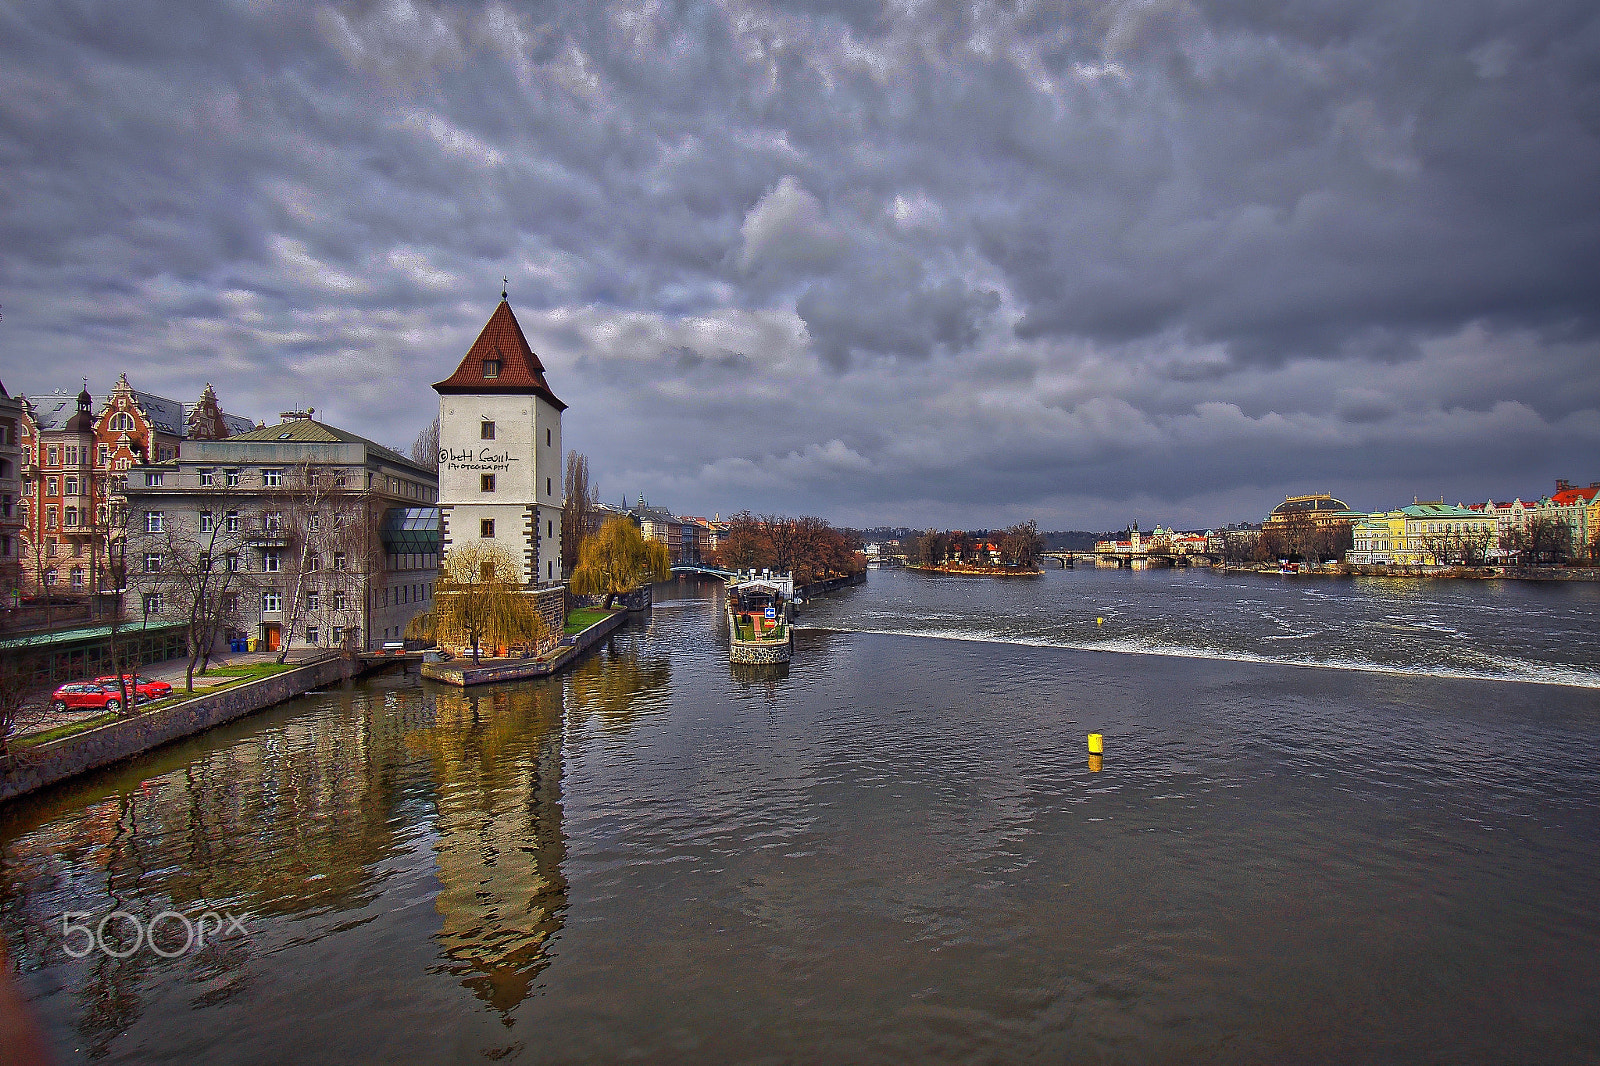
x=88, y=696
x=148, y=689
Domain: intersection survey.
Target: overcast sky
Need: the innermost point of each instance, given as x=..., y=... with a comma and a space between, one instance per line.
x=906, y=263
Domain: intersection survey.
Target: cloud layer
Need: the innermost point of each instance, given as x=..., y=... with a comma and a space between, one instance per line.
x=906, y=263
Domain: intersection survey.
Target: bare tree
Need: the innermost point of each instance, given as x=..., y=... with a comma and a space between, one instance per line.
x=425, y=449
x=578, y=510
x=328, y=542
x=1021, y=545
x=199, y=570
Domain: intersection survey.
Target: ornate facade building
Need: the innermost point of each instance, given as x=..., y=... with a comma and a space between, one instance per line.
x=75, y=456
x=10, y=499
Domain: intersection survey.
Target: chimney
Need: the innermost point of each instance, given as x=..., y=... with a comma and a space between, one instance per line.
x=1562, y=484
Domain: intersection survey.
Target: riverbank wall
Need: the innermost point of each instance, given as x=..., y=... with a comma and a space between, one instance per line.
x=464, y=672
x=817, y=588
x=37, y=766
x=1465, y=573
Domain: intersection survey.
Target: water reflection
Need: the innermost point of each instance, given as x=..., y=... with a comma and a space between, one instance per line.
x=496, y=758
x=616, y=685
x=291, y=821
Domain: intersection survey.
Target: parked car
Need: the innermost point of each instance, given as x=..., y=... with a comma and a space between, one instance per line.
x=89, y=696
x=150, y=690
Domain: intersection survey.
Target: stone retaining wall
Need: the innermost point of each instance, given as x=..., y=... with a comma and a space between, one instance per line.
x=741, y=651
x=462, y=672
x=816, y=588
x=56, y=760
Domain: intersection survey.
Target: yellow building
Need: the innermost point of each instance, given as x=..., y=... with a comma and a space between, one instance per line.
x=1424, y=534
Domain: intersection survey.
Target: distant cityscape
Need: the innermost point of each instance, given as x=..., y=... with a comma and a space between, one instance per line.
x=66, y=460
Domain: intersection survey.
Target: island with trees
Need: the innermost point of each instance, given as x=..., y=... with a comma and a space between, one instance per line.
x=1011, y=552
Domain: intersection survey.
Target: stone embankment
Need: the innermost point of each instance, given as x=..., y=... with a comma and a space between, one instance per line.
x=464, y=672
x=817, y=588
x=1468, y=573
x=36, y=766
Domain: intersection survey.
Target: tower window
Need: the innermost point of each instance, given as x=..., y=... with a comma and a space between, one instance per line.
x=486, y=431
x=548, y=490
x=491, y=368
x=486, y=528
x=547, y=436
x=486, y=482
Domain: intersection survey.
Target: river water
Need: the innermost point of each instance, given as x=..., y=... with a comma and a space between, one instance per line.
x=896, y=851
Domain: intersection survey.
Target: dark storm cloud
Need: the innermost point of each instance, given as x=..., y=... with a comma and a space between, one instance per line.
x=929, y=264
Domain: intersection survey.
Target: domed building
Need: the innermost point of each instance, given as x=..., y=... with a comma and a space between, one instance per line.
x=1320, y=508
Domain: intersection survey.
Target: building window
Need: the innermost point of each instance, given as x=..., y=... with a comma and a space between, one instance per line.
x=547, y=438
x=77, y=577
x=341, y=602
x=313, y=634
x=338, y=634
x=486, y=529
x=313, y=600
x=271, y=601
x=548, y=490
x=230, y=478
x=105, y=455
x=549, y=527
x=155, y=521
x=491, y=368
x=154, y=481
x=272, y=521
x=231, y=522
x=50, y=455
x=121, y=422
x=272, y=478
x=271, y=560
x=72, y=486
x=486, y=482
x=233, y=562
x=72, y=517
x=338, y=560
x=550, y=570
x=208, y=522
x=152, y=603
x=314, y=523
x=206, y=479
x=486, y=430
x=152, y=562
x=313, y=562
x=52, y=486
x=51, y=518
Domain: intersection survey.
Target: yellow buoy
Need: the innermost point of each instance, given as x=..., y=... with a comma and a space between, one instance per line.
x=1099, y=621
x=1096, y=744
x=1096, y=764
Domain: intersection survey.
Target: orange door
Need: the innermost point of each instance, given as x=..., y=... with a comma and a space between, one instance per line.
x=273, y=637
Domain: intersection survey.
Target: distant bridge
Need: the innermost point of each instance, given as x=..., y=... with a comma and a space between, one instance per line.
x=701, y=569
x=1125, y=560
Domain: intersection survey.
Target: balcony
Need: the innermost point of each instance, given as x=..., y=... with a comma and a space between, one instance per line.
x=268, y=538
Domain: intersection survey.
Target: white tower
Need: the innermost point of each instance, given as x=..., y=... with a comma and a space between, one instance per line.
x=500, y=450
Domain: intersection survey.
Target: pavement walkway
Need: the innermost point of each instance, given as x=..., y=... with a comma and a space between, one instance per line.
x=35, y=715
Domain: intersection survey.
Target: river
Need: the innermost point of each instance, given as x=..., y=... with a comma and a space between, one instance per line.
x=1335, y=821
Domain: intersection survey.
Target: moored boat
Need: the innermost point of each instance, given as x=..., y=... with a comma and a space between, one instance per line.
x=759, y=613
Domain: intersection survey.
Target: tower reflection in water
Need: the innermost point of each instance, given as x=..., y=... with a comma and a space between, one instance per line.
x=496, y=758
x=497, y=765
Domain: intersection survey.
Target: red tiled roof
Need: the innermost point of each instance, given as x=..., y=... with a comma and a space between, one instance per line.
x=520, y=369
x=1568, y=497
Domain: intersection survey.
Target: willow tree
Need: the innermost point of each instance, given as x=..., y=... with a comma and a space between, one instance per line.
x=617, y=560
x=480, y=601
